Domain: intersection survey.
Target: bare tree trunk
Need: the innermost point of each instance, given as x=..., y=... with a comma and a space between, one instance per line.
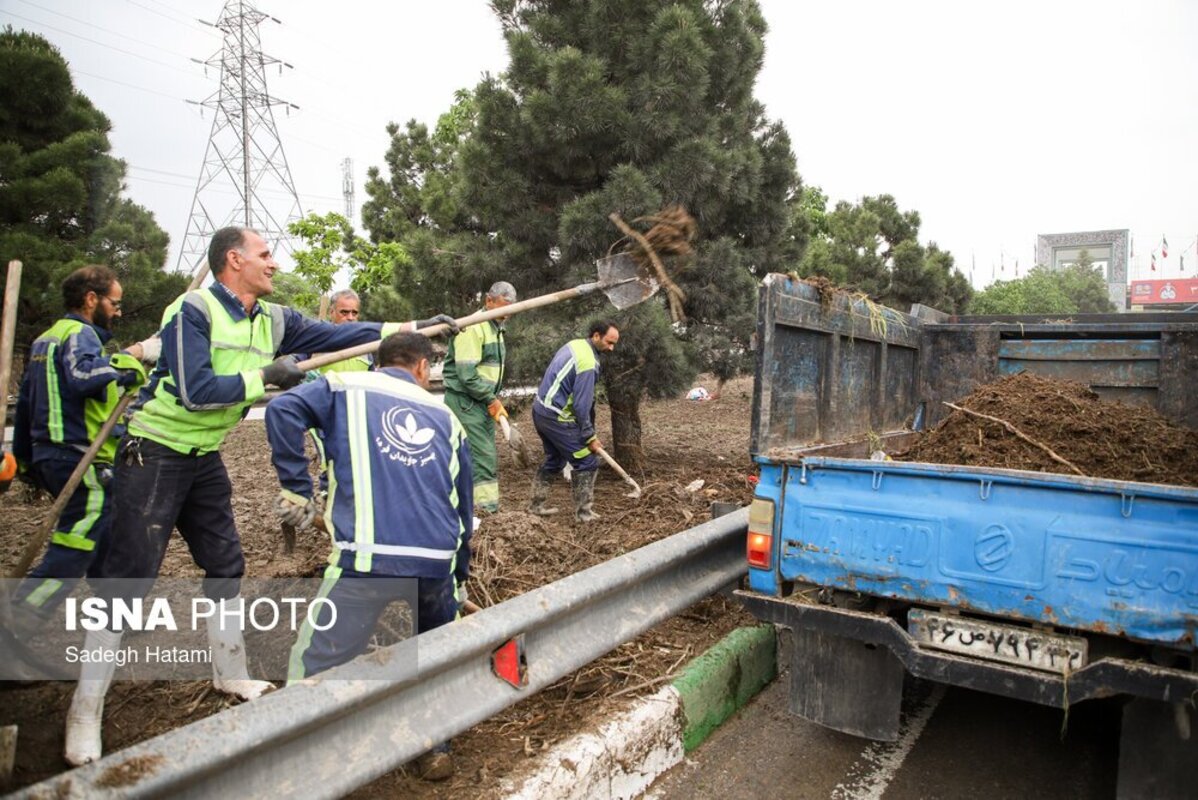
x=626, y=429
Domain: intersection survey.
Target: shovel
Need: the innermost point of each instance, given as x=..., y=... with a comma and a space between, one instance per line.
x=620, y=278
x=515, y=441
x=611, y=462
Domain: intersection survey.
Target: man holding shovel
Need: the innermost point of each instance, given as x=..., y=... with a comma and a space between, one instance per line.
x=220, y=346
x=564, y=416
x=473, y=378
x=69, y=389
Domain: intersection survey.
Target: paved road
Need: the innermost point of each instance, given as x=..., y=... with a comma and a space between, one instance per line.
x=956, y=744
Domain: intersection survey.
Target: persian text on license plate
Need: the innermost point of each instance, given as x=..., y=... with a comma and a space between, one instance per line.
x=995, y=642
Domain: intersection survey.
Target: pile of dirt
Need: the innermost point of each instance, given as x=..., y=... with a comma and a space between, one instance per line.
x=1030, y=422
x=513, y=552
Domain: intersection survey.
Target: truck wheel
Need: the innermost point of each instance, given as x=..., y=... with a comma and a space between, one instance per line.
x=1158, y=748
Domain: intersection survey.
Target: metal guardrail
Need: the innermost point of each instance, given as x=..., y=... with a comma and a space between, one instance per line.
x=325, y=737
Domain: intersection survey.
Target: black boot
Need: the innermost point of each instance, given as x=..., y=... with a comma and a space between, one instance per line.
x=584, y=495
x=540, y=493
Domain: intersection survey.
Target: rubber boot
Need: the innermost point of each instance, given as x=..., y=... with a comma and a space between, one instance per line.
x=229, y=674
x=86, y=715
x=435, y=765
x=540, y=493
x=584, y=495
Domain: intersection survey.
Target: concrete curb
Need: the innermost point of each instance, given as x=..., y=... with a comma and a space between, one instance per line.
x=629, y=752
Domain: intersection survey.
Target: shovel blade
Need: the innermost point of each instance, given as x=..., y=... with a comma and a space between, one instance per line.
x=623, y=281
x=519, y=449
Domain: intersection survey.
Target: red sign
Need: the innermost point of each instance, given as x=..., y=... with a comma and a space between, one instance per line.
x=1146, y=293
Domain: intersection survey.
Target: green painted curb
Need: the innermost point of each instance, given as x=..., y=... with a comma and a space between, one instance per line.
x=723, y=679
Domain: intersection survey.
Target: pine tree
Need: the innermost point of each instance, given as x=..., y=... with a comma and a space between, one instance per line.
x=607, y=105
x=60, y=203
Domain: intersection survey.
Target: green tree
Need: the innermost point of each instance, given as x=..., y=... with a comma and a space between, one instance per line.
x=607, y=105
x=873, y=247
x=60, y=203
x=332, y=248
x=1077, y=289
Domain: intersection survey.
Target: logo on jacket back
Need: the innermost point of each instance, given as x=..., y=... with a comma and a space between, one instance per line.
x=403, y=439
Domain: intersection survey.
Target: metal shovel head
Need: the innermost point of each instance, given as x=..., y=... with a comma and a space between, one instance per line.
x=519, y=449
x=623, y=281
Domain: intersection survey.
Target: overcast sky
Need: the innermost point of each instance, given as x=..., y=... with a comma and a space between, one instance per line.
x=995, y=121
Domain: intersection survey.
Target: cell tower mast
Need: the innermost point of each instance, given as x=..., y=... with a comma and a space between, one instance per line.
x=347, y=188
x=244, y=150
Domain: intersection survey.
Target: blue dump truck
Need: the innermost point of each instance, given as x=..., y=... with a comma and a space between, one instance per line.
x=1051, y=588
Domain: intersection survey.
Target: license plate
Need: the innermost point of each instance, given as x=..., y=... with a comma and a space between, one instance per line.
x=992, y=641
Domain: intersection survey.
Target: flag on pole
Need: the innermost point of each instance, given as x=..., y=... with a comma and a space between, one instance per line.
x=1164, y=246
x=1154, y=262
x=1182, y=259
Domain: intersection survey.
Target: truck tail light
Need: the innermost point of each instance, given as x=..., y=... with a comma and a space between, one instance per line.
x=761, y=533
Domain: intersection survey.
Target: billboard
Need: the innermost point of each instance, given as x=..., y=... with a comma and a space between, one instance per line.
x=1179, y=290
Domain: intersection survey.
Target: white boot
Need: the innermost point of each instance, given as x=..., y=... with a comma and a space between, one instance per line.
x=229, y=673
x=86, y=715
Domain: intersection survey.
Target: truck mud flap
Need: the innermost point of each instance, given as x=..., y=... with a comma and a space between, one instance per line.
x=1107, y=677
x=846, y=685
x=1158, y=749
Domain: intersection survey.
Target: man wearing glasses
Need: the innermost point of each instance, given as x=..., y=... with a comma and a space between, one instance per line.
x=69, y=389
x=347, y=307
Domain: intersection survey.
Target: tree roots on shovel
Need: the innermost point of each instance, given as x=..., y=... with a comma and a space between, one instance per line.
x=671, y=232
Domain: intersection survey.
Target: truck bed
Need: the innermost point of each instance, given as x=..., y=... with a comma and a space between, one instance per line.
x=1085, y=554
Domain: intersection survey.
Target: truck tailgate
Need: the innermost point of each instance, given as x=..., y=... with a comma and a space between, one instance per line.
x=1098, y=555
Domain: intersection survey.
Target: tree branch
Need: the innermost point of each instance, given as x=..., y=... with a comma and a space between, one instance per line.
x=673, y=293
x=1066, y=462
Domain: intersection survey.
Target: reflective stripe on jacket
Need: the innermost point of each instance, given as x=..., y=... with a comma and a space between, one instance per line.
x=475, y=362
x=567, y=391
x=400, y=484
x=212, y=354
x=69, y=390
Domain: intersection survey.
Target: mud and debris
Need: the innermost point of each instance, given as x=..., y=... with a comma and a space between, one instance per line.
x=1101, y=438
x=513, y=553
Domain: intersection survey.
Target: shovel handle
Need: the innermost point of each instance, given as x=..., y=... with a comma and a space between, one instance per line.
x=8, y=330
x=38, y=540
x=582, y=290
x=611, y=462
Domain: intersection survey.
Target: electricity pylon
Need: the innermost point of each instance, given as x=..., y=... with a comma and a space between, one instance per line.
x=347, y=188
x=244, y=150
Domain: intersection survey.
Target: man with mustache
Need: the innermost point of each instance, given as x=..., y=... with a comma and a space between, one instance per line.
x=221, y=346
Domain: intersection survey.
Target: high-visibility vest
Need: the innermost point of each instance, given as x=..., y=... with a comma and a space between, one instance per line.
x=60, y=411
x=558, y=396
x=243, y=346
x=482, y=347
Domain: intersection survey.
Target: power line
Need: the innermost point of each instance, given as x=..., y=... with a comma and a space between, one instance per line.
x=129, y=85
x=99, y=28
x=190, y=23
x=101, y=44
x=222, y=190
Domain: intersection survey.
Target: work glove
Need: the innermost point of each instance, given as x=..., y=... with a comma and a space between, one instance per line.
x=8, y=471
x=295, y=509
x=463, y=596
x=496, y=410
x=440, y=319
x=282, y=372
x=151, y=349
x=594, y=445
x=131, y=372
